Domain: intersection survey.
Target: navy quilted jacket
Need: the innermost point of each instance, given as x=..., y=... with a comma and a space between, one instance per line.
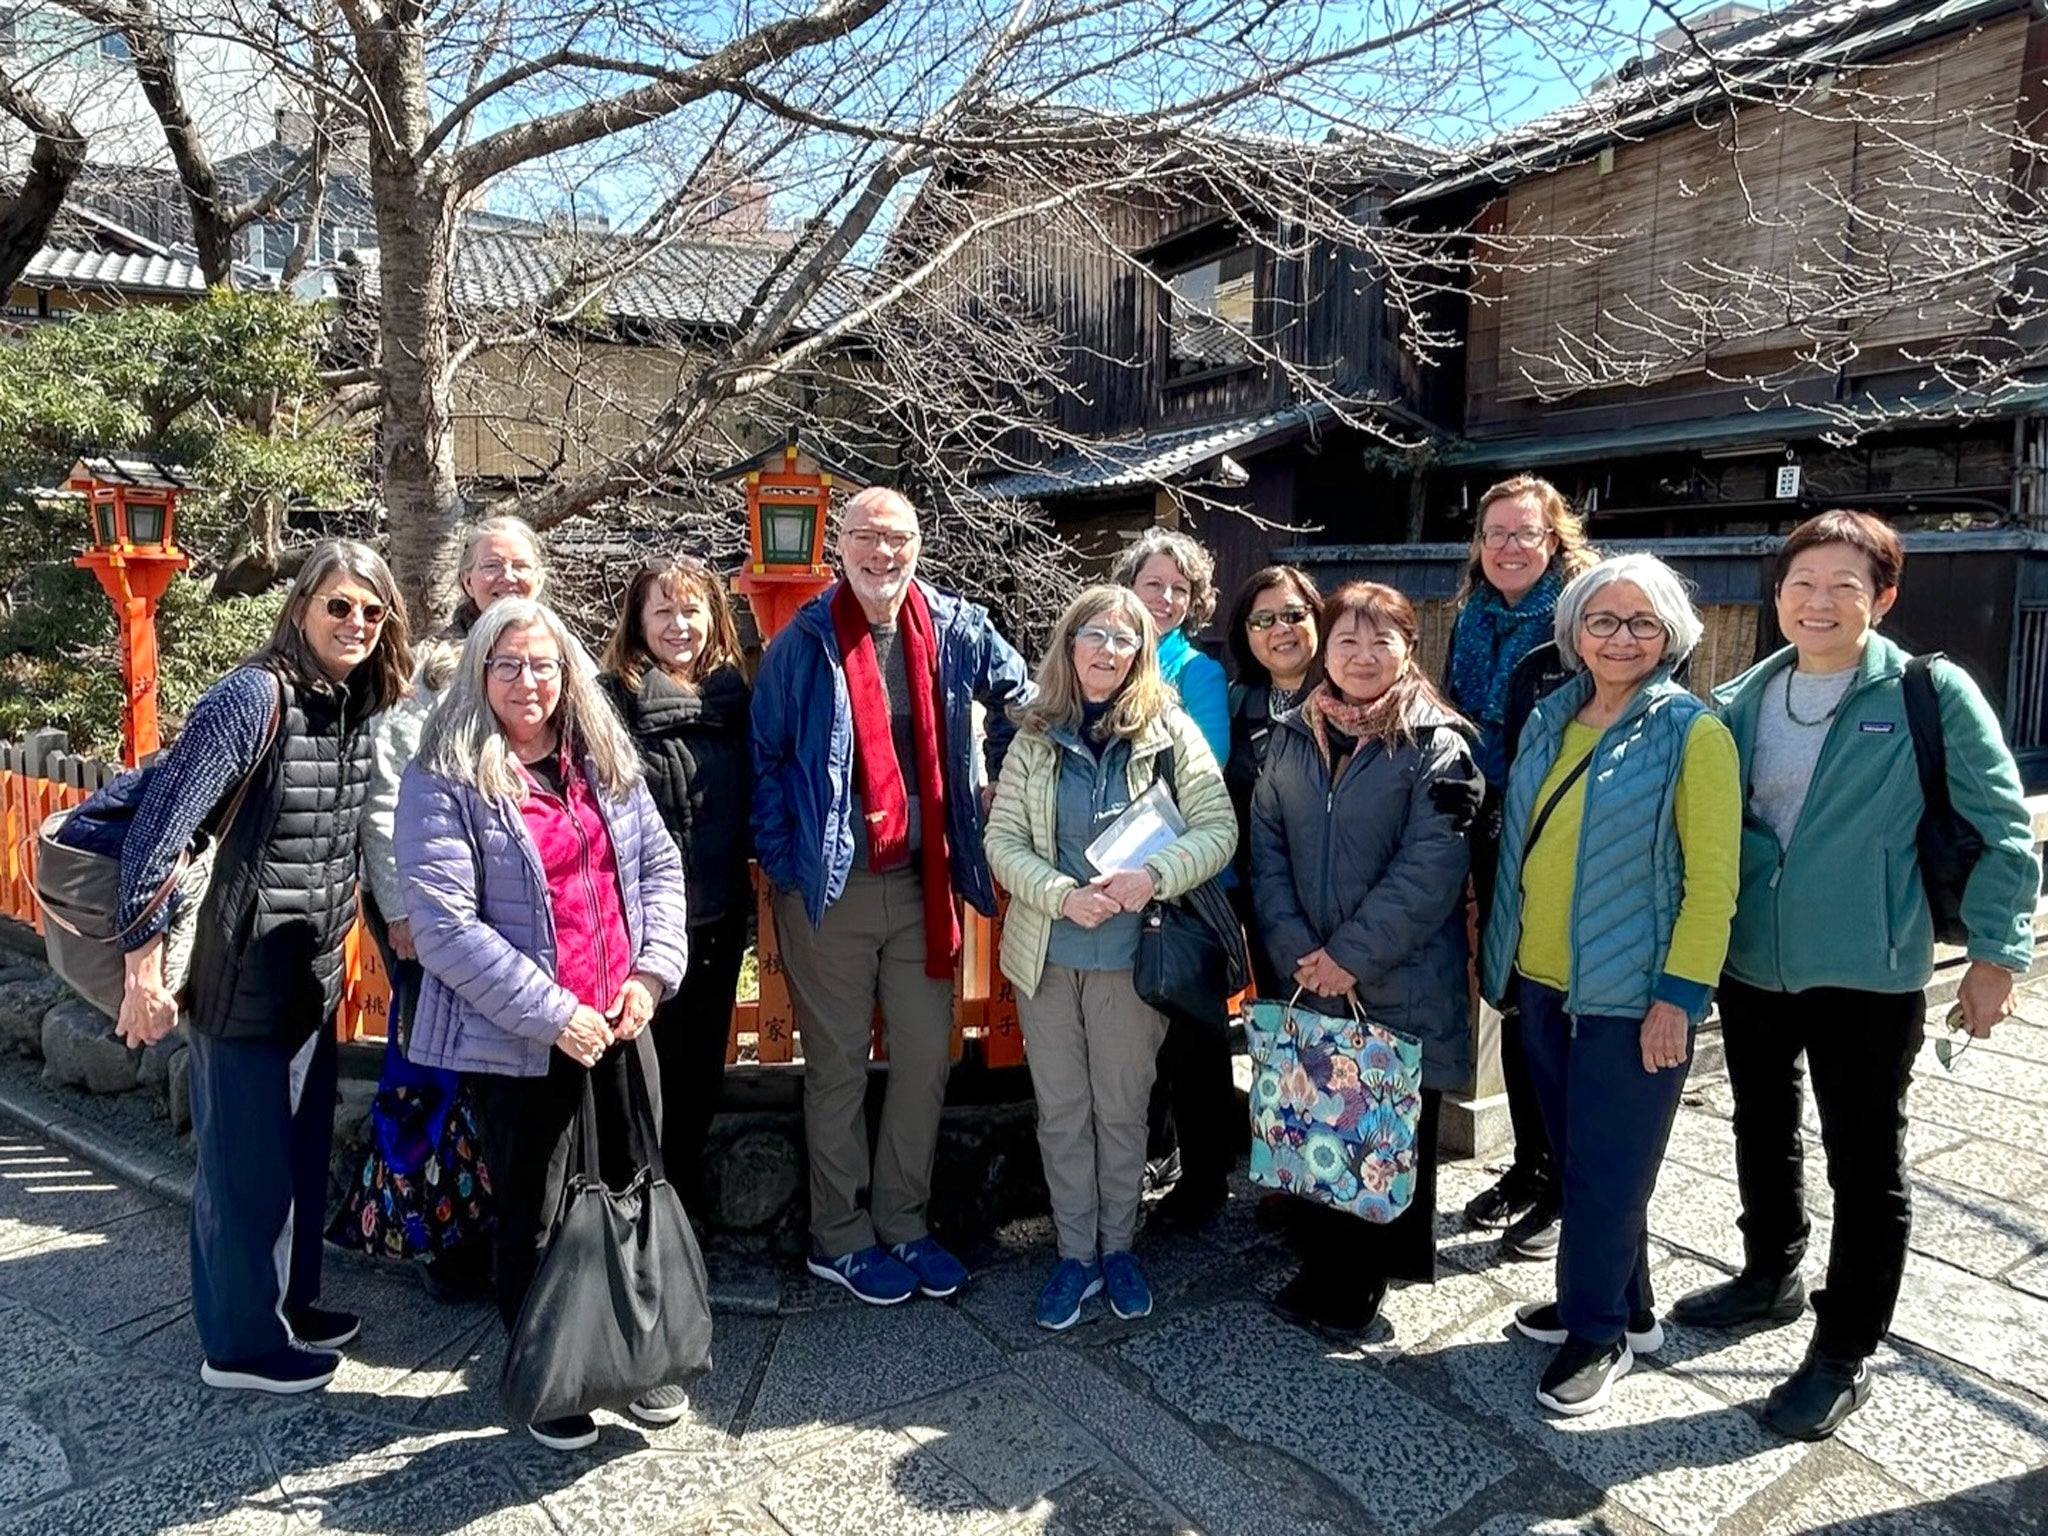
x=478, y=904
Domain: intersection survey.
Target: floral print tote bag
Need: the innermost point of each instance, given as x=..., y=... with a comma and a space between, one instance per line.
x=1334, y=1108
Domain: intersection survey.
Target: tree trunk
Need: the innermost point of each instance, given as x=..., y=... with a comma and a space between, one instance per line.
x=25, y=220
x=415, y=208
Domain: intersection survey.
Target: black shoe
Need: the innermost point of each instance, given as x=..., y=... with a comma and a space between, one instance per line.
x=1645, y=1334
x=1188, y=1206
x=1747, y=1301
x=1581, y=1375
x=572, y=1433
x=318, y=1328
x=1336, y=1312
x=457, y=1278
x=1492, y=1209
x=286, y=1371
x=1811, y=1403
x=1162, y=1172
x=1535, y=1235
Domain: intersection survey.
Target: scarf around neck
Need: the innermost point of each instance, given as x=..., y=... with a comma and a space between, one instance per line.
x=884, y=795
x=1489, y=639
x=1327, y=710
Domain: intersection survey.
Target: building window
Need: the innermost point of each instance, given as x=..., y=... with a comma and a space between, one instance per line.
x=114, y=46
x=1209, y=316
x=272, y=245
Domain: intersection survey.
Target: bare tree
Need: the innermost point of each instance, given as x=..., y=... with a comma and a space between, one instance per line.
x=53, y=165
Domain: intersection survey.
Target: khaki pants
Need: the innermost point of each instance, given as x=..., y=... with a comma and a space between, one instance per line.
x=1093, y=1048
x=869, y=949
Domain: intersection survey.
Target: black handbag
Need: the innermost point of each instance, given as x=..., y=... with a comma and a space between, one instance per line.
x=1191, y=955
x=620, y=1303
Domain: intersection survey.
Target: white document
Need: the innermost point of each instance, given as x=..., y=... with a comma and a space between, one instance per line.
x=1144, y=827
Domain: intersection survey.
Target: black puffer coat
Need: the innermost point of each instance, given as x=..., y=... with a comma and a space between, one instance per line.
x=694, y=747
x=1371, y=871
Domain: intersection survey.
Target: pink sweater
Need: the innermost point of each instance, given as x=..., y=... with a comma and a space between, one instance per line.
x=593, y=955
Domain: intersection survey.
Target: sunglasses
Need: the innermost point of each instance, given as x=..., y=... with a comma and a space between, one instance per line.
x=342, y=607
x=1948, y=1047
x=1293, y=615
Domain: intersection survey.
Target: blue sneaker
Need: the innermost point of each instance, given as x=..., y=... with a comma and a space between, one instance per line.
x=1129, y=1295
x=938, y=1273
x=1059, y=1304
x=869, y=1273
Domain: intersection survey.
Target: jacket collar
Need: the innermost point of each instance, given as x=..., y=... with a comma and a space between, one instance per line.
x=1882, y=660
x=661, y=704
x=1570, y=696
x=815, y=617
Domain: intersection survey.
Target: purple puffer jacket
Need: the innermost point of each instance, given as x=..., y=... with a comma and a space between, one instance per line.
x=481, y=920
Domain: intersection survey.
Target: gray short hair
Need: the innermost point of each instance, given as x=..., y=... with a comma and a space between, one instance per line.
x=1195, y=562
x=463, y=741
x=1669, y=594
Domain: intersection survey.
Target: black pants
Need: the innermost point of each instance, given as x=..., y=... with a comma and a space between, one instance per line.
x=690, y=1032
x=1859, y=1047
x=528, y=1126
x=1194, y=1104
x=1339, y=1247
x=1534, y=1166
x=263, y=1129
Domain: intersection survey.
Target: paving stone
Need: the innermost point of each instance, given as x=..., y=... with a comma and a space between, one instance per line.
x=1240, y=1367
x=1741, y=1367
x=46, y=1193
x=459, y=1391
x=1973, y=1230
x=1415, y=1314
x=876, y=1481
x=1854, y=1502
x=1705, y=1143
x=1971, y=1111
x=1218, y=1498
x=2002, y=1172
x=1990, y=1327
x=1693, y=1211
x=1001, y=1437
x=216, y=1490
x=1533, y=1525
x=32, y=1460
x=1988, y=1065
x=136, y=1268
x=833, y=1368
x=1663, y=1449
x=741, y=1516
x=125, y=1415
x=610, y=1492
x=1985, y=1435
x=1104, y=1504
x=715, y=1397
x=35, y=1351
x=330, y=1462
x=486, y=1500
x=2031, y=1277
x=1004, y=1297
x=2026, y=1038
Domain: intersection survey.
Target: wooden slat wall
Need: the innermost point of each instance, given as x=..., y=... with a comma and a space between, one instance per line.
x=1729, y=212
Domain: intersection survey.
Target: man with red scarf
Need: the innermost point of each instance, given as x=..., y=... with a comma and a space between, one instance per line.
x=867, y=821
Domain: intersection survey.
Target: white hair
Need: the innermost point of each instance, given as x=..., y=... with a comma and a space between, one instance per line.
x=463, y=740
x=1669, y=596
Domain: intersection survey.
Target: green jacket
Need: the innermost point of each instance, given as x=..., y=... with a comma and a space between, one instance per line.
x=1842, y=904
x=1023, y=841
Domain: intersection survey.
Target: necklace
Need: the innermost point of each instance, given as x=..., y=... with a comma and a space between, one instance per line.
x=1809, y=724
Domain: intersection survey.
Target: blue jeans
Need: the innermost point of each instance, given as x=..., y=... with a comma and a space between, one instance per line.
x=1608, y=1122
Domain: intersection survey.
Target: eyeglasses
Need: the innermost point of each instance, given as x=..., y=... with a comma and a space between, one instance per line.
x=1118, y=642
x=1293, y=614
x=341, y=607
x=507, y=669
x=491, y=570
x=1526, y=538
x=867, y=540
x=1948, y=1048
x=1604, y=626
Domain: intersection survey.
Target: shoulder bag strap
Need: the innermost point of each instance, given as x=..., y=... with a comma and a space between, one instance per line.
x=1923, y=721
x=1543, y=816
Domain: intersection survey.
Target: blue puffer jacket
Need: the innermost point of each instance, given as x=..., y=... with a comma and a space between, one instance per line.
x=803, y=747
x=478, y=904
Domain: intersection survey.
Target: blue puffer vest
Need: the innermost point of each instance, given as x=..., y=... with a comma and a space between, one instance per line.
x=1631, y=871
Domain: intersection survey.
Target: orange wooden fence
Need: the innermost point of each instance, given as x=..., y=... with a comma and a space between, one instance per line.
x=38, y=777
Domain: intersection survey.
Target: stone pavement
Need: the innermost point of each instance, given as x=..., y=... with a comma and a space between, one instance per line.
x=1212, y=1416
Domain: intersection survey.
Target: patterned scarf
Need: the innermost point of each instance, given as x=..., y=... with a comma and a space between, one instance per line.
x=1326, y=710
x=1489, y=639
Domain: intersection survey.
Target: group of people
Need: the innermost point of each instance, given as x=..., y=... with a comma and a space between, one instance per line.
x=555, y=857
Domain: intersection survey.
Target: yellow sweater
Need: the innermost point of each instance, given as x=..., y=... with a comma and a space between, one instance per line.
x=1708, y=806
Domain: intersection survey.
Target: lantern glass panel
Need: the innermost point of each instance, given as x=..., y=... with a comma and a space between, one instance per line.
x=145, y=522
x=103, y=523
x=786, y=532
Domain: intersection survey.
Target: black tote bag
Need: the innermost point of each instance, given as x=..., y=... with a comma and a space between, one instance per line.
x=1191, y=957
x=620, y=1303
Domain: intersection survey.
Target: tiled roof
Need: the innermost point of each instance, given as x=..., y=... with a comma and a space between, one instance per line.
x=1786, y=48
x=701, y=283
x=1149, y=460
x=55, y=267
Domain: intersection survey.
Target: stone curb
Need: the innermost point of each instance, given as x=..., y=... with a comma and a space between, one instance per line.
x=152, y=1175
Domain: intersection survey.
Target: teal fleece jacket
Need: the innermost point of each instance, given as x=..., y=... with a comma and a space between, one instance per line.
x=1842, y=904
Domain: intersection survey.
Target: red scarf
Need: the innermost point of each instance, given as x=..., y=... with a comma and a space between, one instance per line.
x=881, y=776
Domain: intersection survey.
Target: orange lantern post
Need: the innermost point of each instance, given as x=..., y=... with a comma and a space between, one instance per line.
x=789, y=493
x=133, y=507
